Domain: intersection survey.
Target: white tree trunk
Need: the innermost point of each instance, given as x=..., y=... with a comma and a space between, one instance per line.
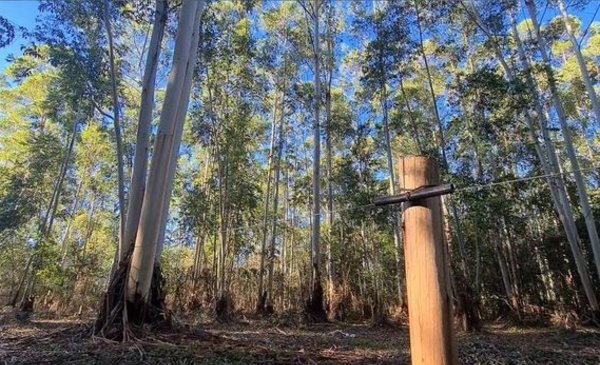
x=589, y=86
x=180, y=122
x=329, y=69
x=546, y=153
x=116, y=123
x=263, y=247
x=316, y=180
x=168, y=140
x=142, y=147
x=397, y=225
x=550, y=164
x=269, y=298
x=584, y=201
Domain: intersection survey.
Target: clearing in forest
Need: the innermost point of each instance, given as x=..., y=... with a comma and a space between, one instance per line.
x=66, y=341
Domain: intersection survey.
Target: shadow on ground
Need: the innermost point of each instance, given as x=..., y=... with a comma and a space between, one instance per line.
x=67, y=341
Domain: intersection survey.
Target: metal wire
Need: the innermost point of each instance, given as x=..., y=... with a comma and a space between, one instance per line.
x=472, y=188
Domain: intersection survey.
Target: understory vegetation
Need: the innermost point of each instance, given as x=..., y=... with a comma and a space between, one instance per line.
x=198, y=168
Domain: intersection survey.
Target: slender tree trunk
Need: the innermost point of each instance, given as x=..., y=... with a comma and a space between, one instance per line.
x=571, y=153
x=506, y=249
x=552, y=166
x=413, y=122
x=15, y=298
x=442, y=139
x=546, y=154
x=589, y=86
x=508, y=288
x=316, y=311
x=67, y=234
x=202, y=229
x=328, y=147
x=260, y=306
x=45, y=228
x=269, y=301
x=222, y=305
x=61, y=179
x=466, y=297
x=285, y=239
x=392, y=191
x=142, y=147
x=116, y=123
x=198, y=259
x=396, y=225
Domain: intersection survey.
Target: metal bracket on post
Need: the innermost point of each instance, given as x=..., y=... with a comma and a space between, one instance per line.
x=420, y=193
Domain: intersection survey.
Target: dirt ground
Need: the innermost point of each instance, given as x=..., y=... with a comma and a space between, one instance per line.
x=67, y=341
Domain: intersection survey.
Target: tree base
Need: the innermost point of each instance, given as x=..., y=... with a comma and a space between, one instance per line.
x=315, y=311
x=224, y=309
x=119, y=319
x=25, y=309
x=263, y=307
x=378, y=314
x=467, y=311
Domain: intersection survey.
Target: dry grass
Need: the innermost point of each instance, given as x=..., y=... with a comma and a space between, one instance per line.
x=46, y=340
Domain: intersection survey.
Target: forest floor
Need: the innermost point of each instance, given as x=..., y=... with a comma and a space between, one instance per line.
x=47, y=340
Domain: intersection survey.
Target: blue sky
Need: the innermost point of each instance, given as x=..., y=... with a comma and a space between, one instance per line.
x=24, y=12
x=21, y=13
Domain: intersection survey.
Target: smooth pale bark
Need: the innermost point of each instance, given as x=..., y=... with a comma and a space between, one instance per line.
x=269, y=301
x=201, y=239
x=67, y=234
x=542, y=261
x=284, y=243
x=142, y=262
x=142, y=147
x=263, y=247
x=584, y=201
x=198, y=259
x=328, y=152
x=59, y=185
x=546, y=152
x=180, y=121
x=316, y=179
x=506, y=248
x=392, y=191
x=116, y=123
x=585, y=75
x=508, y=288
x=223, y=222
x=442, y=145
x=442, y=140
x=57, y=189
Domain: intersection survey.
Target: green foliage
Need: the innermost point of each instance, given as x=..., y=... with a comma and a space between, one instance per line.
x=410, y=62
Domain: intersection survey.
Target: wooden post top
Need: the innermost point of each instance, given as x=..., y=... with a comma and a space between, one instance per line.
x=417, y=171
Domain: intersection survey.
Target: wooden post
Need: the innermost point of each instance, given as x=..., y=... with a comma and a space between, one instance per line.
x=432, y=340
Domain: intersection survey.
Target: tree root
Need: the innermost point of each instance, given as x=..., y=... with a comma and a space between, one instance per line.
x=121, y=320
